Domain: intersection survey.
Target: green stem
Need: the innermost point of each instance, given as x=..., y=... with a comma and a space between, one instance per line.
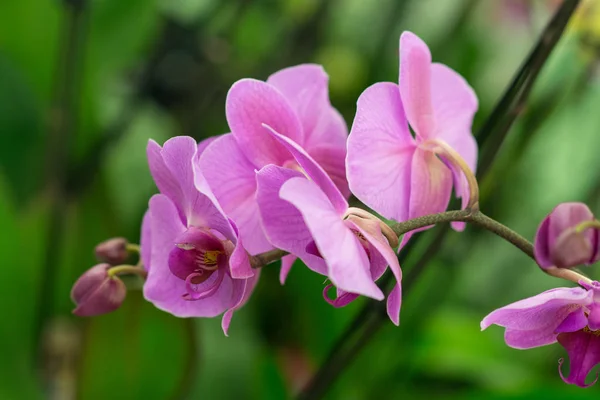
x=127, y=270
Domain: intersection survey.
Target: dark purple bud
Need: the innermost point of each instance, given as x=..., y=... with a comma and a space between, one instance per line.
x=96, y=292
x=567, y=237
x=113, y=251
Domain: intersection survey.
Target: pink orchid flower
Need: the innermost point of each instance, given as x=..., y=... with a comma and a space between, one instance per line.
x=569, y=316
x=308, y=216
x=401, y=176
x=295, y=102
x=196, y=264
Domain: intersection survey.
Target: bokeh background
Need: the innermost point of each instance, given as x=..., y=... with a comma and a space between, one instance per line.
x=85, y=83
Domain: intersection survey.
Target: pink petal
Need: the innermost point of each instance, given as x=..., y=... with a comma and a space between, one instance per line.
x=242, y=289
x=431, y=184
x=544, y=311
x=146, y=240
x=529, y=339
x=204, y=144
x=239, y=263
x=177, y=154
x=393, y=304
x=305, y=87
x=286, y=265
x=164, y=289
x=380, y=152
x=584, y=354
x=314, y=171
x=166, y=183
x=347, y=260
x=415, y=84
x=232, y=179
x=251, y=103
x=282, y=222
x=454, y=106
x=330, y=130
x=575, y=321
x=333, y=160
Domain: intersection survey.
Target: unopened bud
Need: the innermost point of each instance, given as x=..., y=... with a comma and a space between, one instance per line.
x=96, y=292
x=112, y=251
x=567, y=237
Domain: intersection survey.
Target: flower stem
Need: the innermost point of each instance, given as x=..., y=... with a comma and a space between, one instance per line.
x=127, y=270
x=262, y=259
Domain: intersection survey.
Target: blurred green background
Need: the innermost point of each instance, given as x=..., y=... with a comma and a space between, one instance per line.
x=85, y=83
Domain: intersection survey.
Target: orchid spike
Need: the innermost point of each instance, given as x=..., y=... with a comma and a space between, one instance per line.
x=401, y=176
x=295, y=102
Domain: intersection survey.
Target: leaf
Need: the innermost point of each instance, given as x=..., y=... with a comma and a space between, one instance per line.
x=137, y=352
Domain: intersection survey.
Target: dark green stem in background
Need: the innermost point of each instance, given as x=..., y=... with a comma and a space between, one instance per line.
x=62, y=121
x=490, y=138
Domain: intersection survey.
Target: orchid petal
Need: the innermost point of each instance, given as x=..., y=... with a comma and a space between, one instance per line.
x=394, y=301
x=286, y=265
x=232, y=179
x=415, y=84
x=544, y=311
x=346, y=258
x=314, y=171
x=454, y=105
x=146, y=240
x=333, y=160
x=283, y=223
x=431, y=184
x=250, y=104
x=380, y=152
x=529, y=339
x=584, y=354
x=242, y=289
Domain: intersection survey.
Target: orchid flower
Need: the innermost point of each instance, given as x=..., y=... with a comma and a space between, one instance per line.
x=306, y=214
x=401, y=176
x=569, y=316
x=295, y=102
x=197, y=266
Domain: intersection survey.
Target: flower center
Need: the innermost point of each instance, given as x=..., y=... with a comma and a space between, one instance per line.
x=196, y=256
x=596, y=333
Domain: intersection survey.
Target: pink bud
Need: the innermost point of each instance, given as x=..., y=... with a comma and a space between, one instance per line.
x=95, y=292
x=113, y=251
x=560, y=242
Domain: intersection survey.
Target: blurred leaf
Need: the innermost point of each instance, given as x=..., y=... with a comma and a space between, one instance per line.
x=29, y=37
x=126, y=164
x=18, y=280
x=21, y=129
x=137, y=352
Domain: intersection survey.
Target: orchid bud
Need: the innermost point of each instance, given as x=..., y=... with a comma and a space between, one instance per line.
x=567, y=237
x=113, y=251
x=96, y=292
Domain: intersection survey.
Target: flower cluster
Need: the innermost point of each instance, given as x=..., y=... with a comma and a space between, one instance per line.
x=281, y=179
x=278, y=187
